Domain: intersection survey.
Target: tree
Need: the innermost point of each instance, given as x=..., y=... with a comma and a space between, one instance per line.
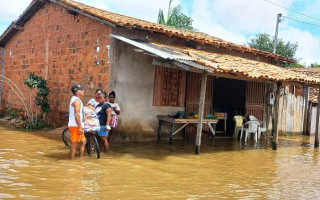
x=33, y=81
x=175, y=18
x=265, y=42
x=38, y=84
x=314, y=65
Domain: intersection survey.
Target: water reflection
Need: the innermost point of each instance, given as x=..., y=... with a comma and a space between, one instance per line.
x=37, y=165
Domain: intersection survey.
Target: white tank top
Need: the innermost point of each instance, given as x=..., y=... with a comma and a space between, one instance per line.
x=72, y=120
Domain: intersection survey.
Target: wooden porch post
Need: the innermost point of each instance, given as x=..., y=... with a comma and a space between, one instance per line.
x=305, y=113
x=201, y=109
x=275, y=130
x=269, y=108
x=316, y=140
x=309, y=119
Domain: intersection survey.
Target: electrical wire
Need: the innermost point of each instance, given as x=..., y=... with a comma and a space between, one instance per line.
x=301, y=21
x=292, y=10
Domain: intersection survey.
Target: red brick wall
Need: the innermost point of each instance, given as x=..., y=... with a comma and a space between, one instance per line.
x=64, y=45
x=1, y=83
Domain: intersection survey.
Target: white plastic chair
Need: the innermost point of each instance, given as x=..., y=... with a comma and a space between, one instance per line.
x=253, y=127
x=262, y=127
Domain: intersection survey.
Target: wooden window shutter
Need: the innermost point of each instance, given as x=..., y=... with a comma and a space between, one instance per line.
x=158, y=76
x=169, y=87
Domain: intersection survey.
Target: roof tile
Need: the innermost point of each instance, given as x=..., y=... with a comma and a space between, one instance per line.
x=241, y=66
x=311, y=72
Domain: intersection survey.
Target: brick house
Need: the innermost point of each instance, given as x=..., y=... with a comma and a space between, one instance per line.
x=154, y=69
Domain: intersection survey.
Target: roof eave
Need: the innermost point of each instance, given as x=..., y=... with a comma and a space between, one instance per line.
x=34, y=6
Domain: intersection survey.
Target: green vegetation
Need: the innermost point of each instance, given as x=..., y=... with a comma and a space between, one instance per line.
x=314, y=65
x=39, y=124
x=265, y=42
x=175, y=18
x=41, y=100
x=2, y=113
x=12, y=113
x=34, y=81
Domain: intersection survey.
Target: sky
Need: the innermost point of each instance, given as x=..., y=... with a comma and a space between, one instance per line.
x=232, y=20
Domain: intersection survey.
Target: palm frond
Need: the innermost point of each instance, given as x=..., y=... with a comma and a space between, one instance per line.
x=161, y=19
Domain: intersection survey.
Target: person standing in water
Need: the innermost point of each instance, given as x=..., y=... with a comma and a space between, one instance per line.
x=104, y=116
x=115, y=113
x=76, y=120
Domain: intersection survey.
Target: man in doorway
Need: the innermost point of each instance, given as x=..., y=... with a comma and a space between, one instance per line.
x=76, y=119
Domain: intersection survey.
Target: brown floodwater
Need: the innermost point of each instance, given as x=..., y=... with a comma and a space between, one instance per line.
x=36, y=165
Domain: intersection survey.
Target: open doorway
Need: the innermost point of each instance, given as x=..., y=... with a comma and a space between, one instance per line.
x=229, y=96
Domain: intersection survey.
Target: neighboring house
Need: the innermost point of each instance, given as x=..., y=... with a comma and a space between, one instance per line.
x=154, y=69
x=312, y=98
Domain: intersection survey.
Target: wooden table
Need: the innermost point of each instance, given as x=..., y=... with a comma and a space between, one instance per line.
x=210, y=122
x=225, y=125
x=222, y=116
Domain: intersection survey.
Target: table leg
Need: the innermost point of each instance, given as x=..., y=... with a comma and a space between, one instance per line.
x=159, y=130
x=180, y=129
x=212, y=128
x=171, y=133
x=225, y=126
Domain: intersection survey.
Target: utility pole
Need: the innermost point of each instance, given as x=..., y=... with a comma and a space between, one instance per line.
x=276, y=35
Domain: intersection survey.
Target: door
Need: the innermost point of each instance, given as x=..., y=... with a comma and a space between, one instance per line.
x=255, y=99
x=193, y=98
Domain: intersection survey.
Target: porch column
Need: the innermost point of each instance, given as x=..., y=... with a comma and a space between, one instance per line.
x=270, y=108
x=309, y=119
x=305, y=112
x=2, y=73
x=316, y=140
x=201, y=110
x=275, y=130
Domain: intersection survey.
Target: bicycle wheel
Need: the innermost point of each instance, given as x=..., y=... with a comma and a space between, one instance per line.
x=66, y=138
x=93, y=146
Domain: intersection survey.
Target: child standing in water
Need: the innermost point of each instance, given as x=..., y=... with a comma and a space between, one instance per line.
x=115, y=112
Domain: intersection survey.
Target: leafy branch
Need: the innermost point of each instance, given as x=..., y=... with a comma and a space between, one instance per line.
x=36, y=82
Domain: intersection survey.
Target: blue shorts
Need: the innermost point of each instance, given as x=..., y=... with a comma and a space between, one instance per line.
x=102, y=132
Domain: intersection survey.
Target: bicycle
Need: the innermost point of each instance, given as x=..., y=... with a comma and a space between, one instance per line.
x=92, y=146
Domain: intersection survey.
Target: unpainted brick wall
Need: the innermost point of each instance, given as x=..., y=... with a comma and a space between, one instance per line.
x=64, y=45
x=1, y=78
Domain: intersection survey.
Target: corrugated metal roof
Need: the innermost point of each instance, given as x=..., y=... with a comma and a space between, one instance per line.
x=165, y=54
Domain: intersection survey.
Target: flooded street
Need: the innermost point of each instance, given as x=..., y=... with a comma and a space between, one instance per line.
x=37, y=166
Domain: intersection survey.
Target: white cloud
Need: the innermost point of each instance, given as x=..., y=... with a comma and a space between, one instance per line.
x=241, y=16
x=308, y=45
x=147, y=10
x=10, y=10
x=312, y=9
x=235, y=21
x=219, y=31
